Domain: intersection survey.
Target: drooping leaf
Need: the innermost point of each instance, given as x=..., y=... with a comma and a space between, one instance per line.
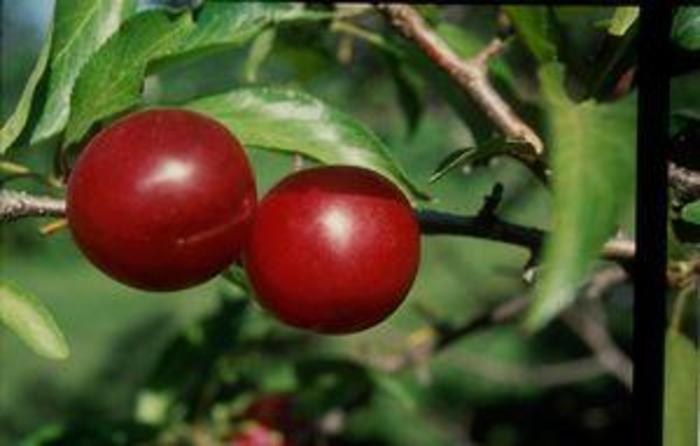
x=623, y=18
x=685, y=30
x=407, y=92
x=681, y=399
x=80, y=28
x=691, y=212
x=259, y=50
x=461, y=157
x=478, y=124
x=592, y=149
x=295, y=122
x=29, y=319
x=111, y=80
x=14, y=125
x=533, y=26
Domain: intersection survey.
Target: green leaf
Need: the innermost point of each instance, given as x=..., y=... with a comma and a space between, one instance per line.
x=685, y=30
x=493, y=147
x=80, y=28
x=681, y=405
x=394, y=387
x=592, y=148
x=329, y=382
x=29, y=319
x=295, y=122
x=227, y=24
x=111, y=80
x=534, y=27
x=259, y=50
x=691, y=212
x=623, y=18
x=479, y=125
x=16, y=122
x=682, y=119
x=407, y=92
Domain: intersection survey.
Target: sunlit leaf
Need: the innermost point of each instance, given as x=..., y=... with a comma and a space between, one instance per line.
x=592, y=149
x=111, y=80
x=12, y=128
x=259, y=50
x=623, y=18
x=295, y=122
x=80, y=28
x=29, y=319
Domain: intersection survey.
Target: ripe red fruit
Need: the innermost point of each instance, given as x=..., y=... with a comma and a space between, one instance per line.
x=333, y=249
x=273, y=410
x=258, y=435
x=278, y=412
x=162, y=199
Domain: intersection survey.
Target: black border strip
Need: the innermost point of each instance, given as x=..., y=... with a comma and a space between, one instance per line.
x=650, y=263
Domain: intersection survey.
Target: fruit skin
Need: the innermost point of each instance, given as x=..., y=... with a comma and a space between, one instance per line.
x=162, y=199
x=275, y=410
x=258, y=435
x=333, y=249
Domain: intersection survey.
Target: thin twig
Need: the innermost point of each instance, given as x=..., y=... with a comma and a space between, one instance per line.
x=685, y=182
x=603, y=280
x=471, y=75
x=586, y=320
x=297, y=162
x=53, y=226
x=16, y=204
x=432, y=339
x=439, y=335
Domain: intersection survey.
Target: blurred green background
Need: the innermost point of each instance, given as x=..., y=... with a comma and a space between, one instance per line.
x=481, y=387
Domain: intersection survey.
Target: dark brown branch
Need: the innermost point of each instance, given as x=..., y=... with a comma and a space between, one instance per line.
x=15, y=205
x=471, y=75
x=444, y=223
x=441, y=337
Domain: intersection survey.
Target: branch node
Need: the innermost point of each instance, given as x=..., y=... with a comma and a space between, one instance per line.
x=487, y=212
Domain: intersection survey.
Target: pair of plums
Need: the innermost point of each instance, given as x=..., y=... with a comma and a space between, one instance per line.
x=165, y=199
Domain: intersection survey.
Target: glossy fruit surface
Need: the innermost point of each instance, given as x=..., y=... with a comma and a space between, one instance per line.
x=162, y=199
x=333, y=249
